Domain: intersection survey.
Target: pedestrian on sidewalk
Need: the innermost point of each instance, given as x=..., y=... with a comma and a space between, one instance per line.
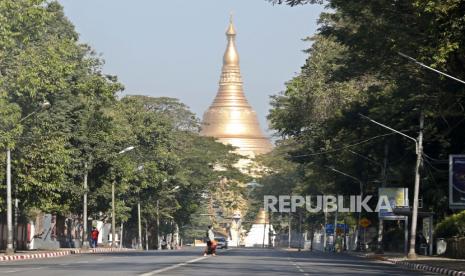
x=94, y=236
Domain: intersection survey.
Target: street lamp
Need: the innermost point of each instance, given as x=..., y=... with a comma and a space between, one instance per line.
x=85, y=241
x=113, y=213
x=158, y=215
x=383, y=167
x=139, y=223
x=357, y=229
x=9, y=213
x=419, y=151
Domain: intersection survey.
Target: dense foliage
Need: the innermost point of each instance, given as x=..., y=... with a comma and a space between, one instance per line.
x=88, y=124
x=354, y=67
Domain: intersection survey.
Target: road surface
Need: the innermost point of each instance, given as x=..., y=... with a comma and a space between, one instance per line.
x=243, y=261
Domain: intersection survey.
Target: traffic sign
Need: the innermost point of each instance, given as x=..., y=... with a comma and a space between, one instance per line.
x=364, y=222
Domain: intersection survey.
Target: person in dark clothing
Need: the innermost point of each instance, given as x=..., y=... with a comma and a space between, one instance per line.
x=211, y=243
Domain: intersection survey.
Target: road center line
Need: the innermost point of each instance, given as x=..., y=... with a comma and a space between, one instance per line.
x=158, y=271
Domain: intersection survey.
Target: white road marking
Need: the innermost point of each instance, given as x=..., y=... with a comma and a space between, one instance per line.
x=158, y=271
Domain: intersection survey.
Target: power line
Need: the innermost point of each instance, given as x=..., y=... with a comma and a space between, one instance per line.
x=430, y=68
x=344, y=147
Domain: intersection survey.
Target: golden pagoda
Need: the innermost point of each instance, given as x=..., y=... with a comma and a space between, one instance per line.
x=262, y=217
x=230, y=118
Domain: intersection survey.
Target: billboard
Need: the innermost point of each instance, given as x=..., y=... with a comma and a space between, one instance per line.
x=457, y=181
x=398, y=197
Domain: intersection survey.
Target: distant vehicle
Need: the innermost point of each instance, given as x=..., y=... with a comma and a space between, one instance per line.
x=222, y=243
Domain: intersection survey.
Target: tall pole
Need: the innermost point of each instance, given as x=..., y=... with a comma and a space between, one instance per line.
x=121, y=235
x=264, y=232
x=9, y=208
x=325, y=237
x=380, y=249
x=289, y=234
x=357, y=229
x=413, y=231
x=139, y=246
x=300, y=230
x=335, y=226
x=158, y=226
x=85, y=240
x=146, y=236
x=113, y=219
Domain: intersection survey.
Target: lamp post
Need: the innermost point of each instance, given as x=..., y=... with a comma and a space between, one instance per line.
x=158, y=217
x=357, y=229
x=139, y=222
x=113, y=213
x=9, y=213
x=419, y=151
x=379, y=249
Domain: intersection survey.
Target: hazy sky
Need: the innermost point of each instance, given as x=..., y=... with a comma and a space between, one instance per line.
x=174, y=48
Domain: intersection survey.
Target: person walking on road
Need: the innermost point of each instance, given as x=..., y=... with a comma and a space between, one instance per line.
x=211, y=244
x=94, y=236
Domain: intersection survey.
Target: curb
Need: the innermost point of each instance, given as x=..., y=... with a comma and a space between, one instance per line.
x=413, y=266
x=61, y=253
x=34, y=256
x=440, y=270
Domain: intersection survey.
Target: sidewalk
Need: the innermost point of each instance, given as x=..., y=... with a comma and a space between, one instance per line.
x=436, y=264
x=26, y=255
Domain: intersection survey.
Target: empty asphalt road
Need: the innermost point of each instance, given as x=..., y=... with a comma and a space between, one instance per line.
x=191, y=262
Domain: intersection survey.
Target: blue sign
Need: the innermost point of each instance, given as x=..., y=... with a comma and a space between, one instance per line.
x=457, y=181
x=329, y=228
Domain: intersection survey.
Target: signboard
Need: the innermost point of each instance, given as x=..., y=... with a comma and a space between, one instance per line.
x=340, y=228
x=457, y=181
x=329, y=228
x=364, y=222
x=398, y=197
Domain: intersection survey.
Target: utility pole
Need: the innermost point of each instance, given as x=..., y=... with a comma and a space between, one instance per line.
x=121, y=235
x=416, y=191
x=158, y=226
x=113, y=214
x=9, y=208
x=289, y=233
x=139, y=246
x=357, y=229
x=335, y=225
x=300, y=230
x=146, y=236
x=380, y=249
x=9, y=246
x=325, y=236
x=85, y=240
x=419, y=152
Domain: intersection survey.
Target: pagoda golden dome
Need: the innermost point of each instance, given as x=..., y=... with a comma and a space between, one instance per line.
x=230, y=118
x=262, y=217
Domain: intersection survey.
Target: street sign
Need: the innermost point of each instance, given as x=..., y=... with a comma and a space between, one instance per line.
x=364, y=222
x=329, y=228
x=457, y=181
x=340, y=228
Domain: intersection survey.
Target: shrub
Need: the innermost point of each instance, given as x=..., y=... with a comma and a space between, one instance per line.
x=451, y=226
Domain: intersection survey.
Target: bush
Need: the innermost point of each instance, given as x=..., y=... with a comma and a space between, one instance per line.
x=452, y=226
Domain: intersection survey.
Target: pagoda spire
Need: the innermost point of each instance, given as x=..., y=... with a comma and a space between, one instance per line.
x=230, y=118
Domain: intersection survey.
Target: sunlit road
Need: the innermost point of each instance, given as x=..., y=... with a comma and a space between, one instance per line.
x=190, y=262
